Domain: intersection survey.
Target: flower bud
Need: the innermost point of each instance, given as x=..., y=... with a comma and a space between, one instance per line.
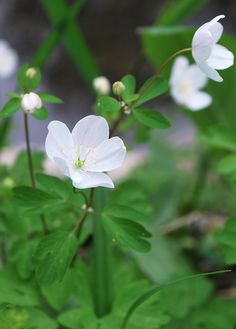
x=118, y=88
x=31, y=102
x=31, y=72
x=101, y=85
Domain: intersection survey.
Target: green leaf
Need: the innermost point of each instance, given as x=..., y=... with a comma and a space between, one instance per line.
x=127, y=233
x=123, y=211
x=72, y=38
x=28, y=83
x=176, y=12
x=130, y=84
x=219, y=137
x=146, y=296
x=48, y=98
x=79, y=318
x=40, y=320
x=15, y=291
x=40, y=114
x=54, y=185
x=107, y=104
x=226, y=237
x=11, y=107
x=228, y=164
x=53, y=256
x=13, y=95
x=152, y=88
x=34, y=199
x=58, y=293
x=151, y=118
x=21, y=255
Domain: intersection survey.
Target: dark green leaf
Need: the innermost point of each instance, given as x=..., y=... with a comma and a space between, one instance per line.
x=151, y=118
x=11, y=107
x=53, y=256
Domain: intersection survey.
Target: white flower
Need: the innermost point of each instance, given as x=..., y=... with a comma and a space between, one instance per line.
x=208, y=54
x=102, y=85
x=86, y=153
x=31, y=102
x=185, y=84
x=8, y=59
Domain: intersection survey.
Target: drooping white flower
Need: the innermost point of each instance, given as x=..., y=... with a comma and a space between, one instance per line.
x=208, y=54
x=185, y=84
x=86, y=153
x=8, y=59
x=31, y=102
x=102, y=85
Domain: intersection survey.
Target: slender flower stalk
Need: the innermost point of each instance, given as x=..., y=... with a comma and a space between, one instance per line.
x=30, y=166
x=78, y=228
x=151, y=82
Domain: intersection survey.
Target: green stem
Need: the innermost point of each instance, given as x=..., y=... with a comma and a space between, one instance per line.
x=102, y=274
x=151, y=82
x=30, y=166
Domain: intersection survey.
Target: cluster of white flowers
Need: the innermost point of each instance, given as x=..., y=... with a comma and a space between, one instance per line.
x=187, y=80
x=8, y=60
x=86, y=153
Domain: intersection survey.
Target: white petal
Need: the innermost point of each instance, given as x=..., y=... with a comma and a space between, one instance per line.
x=62, y=166
x=216, y=31
x=215, y=28
x=198, y=101
x=195, y=77
x=179, y=67
x=109, y=155
x=210, y=72
x=221, y=58
x=8, y=59
x=61, y=134
x=90, y=131
x=202, y=45
x=94, y=179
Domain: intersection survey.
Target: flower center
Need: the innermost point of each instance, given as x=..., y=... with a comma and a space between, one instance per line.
x=79, y=163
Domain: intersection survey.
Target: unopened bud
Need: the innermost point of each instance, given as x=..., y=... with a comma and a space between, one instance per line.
x=101, y=85
x=31, y=102
x=118, y=88
x=31, y=73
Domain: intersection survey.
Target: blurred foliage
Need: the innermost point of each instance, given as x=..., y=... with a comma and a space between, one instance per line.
x=176, y=206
